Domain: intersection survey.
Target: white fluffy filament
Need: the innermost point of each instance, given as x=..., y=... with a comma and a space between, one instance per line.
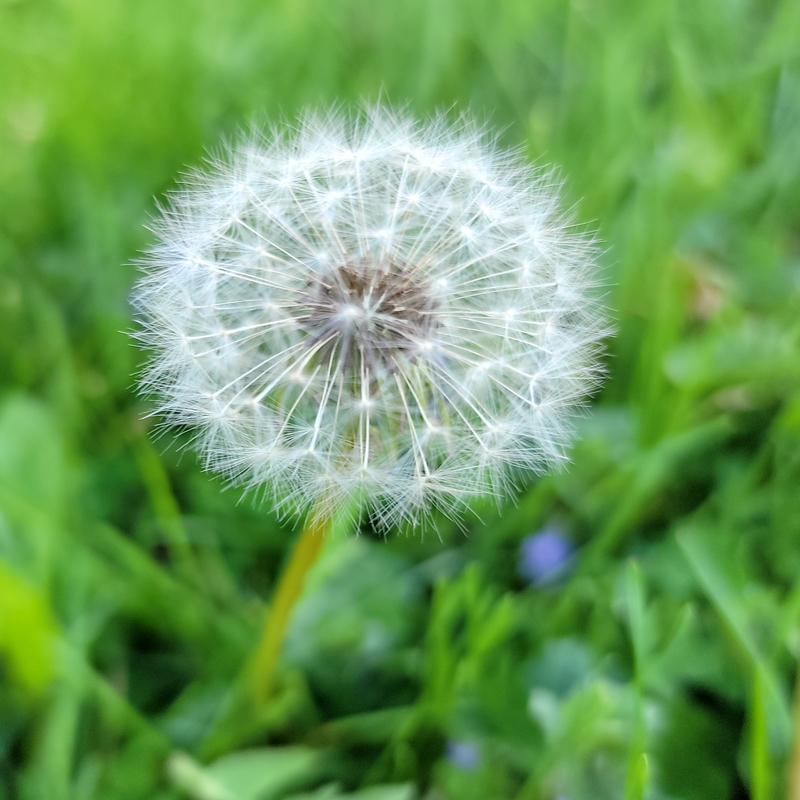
x=374, y=310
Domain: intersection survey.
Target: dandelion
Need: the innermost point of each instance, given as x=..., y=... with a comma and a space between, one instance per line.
x=372, y=314
x=375, y=310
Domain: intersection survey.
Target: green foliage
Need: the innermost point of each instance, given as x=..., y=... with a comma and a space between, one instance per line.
x=256, y=774
x=132, y=586
x=26, y=633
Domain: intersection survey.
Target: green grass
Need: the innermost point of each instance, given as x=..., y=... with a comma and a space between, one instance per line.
x=132, y=585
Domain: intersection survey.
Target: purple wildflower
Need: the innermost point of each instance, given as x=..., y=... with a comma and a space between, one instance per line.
x=464, y=755
x=544, y=556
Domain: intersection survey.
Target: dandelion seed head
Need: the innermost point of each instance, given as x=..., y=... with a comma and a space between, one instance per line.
x=371, y=309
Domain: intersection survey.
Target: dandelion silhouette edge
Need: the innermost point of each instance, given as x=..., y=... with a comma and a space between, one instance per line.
x=371, y=310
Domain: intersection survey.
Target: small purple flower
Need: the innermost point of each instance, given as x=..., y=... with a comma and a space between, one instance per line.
x=464, y=755
x=544, y=556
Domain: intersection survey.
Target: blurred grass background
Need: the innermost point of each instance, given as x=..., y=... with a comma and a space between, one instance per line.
x=660, y=663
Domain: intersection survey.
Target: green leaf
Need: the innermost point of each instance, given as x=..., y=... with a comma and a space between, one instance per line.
x=760, y=762
x=258, y=774
x=389, y=791
x=27, y=632
x=636, y=781
x=637, y=778
x=32, y=459
x=634, y=595
x=726, y=601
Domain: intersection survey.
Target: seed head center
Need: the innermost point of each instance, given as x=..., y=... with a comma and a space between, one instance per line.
x=367, y=311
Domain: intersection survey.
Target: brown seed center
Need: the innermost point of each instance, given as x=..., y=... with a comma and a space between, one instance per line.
x=363, y=313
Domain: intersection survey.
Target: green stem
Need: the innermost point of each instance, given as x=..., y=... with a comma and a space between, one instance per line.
x=793, y=771
x=287, y=593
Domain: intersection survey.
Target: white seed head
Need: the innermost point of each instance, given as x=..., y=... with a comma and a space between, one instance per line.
x=372, y=310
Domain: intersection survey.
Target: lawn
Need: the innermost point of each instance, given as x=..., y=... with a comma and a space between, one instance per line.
x=653, y=657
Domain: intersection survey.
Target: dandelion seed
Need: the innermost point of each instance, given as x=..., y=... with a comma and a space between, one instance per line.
x=376, y=310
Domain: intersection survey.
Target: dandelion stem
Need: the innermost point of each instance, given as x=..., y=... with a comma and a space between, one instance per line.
x=793, y=771
x=287, y=593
